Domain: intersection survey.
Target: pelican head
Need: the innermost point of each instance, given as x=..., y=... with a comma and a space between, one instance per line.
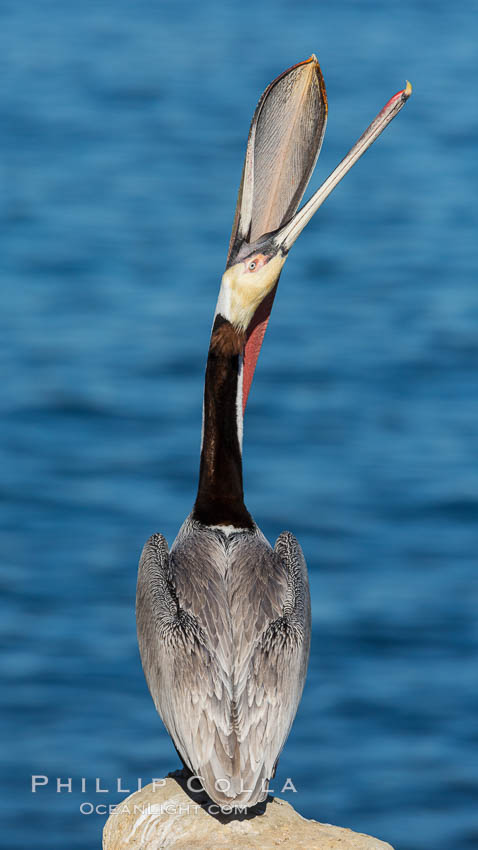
x=250, y=279
x=284, y=142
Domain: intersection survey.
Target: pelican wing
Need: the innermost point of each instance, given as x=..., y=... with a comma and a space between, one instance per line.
x=224, y=633
x=284, y=142
x=272, y=677
x=188, y=686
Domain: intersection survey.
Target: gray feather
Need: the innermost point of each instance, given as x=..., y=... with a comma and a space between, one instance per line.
x=224, y=635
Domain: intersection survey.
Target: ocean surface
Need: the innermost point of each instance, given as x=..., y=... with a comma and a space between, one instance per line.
x=123, y=129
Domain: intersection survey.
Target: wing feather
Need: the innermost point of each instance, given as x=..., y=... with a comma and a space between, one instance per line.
x=276, y=670
x=188, y=685
x=224, y=633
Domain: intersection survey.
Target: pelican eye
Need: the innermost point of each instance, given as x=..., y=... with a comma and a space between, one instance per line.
x=255, y=263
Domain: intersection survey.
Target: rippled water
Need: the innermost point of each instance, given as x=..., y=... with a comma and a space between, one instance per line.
x=123, y=132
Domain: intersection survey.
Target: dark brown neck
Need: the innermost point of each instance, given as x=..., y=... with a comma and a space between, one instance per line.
x=220, y=498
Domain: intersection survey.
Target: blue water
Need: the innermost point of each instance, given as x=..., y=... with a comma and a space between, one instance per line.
x=123, y=128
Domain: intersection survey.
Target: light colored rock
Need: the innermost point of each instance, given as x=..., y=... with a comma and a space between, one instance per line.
x=165, y=816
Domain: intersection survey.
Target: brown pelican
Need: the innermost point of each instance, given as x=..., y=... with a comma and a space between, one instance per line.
x=223, y=618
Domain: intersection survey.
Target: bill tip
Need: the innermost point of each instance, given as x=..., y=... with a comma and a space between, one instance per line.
x=408, y=89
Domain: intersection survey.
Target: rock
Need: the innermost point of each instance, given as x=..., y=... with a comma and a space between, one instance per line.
x=163, y=816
